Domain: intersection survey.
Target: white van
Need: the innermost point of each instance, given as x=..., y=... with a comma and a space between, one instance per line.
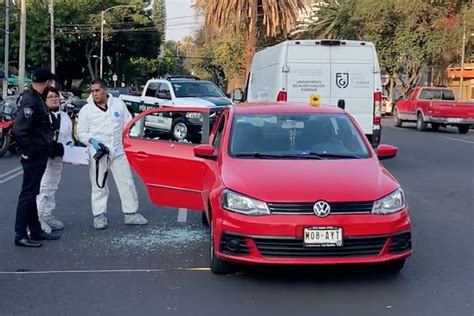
x=333, y=69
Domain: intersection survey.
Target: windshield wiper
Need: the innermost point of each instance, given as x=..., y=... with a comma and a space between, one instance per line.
x=277, y=156
x=257, y=155
x=336, y=156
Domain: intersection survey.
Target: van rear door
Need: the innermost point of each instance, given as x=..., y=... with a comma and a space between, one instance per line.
x=309, y=72
x=353, y=71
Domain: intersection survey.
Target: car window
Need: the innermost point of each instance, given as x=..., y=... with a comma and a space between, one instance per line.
x=410, y=95
x=426, y=94
x=172, y=126
x=216, y=143
x=152, y=89
x=296, y=134
x=448, y=95
x=194, y=89
x=164, y=91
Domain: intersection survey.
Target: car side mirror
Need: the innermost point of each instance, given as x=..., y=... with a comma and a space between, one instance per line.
x=386, y=152
x=237, y=95
x=205, y=151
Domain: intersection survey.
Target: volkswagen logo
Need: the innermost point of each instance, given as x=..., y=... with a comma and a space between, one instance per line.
x=321, y=209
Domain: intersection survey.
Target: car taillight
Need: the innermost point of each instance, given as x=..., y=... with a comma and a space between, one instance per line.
x=282, y=96
x=377, y=108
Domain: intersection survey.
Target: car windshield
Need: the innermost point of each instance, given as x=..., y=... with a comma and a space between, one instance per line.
x=195, y=89
x=296, y=136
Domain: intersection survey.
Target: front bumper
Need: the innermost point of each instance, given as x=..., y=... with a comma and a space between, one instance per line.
x=278, y=239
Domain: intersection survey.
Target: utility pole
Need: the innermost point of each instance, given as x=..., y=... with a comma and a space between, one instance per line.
x=7, y=44
x=102, y=22
x=53, y=59
x=461, y=80
x=21, y=68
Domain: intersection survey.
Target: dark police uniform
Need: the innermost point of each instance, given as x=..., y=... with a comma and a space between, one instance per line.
x=34, y=134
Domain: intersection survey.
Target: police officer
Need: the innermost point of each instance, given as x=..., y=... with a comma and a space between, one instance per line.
x=34, y=134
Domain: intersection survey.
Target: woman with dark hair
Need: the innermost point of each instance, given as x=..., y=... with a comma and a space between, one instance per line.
x=62, y=126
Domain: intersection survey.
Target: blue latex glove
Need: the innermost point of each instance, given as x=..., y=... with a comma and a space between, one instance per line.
x=70, y=144
x=95, y=143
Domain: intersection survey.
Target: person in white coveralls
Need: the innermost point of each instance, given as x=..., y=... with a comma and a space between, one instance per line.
x=101, y=123
x=46, y=200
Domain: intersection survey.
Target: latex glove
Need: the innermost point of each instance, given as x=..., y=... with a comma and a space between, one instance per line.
x=95, y=143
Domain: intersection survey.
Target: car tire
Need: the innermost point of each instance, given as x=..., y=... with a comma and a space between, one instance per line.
x=179, y=130
x=5, y=141
x=393, y=267
x=463, y=129
x=397, y=122
x=421, y=125
x=217, y=265
x=204, y=220
x=435, y=126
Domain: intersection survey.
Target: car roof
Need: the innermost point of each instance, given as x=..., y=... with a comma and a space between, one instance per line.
x=178, y=80
x=284, y=107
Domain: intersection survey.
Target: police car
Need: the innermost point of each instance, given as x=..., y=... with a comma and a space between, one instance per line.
x=178, y=91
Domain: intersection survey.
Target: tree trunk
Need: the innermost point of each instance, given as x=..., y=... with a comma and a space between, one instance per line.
x=250, y=48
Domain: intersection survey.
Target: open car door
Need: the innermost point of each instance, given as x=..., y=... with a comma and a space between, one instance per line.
x=159, y=145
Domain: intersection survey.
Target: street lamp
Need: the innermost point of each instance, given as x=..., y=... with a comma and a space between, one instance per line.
x=102, y=22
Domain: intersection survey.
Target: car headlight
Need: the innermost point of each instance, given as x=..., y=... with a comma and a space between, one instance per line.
x=238, y=203
x=389, y=204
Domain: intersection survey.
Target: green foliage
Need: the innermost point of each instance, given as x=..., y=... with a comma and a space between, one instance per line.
x=128, y=33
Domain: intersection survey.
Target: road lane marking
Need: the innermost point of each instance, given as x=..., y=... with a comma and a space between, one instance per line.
x=13, y=176
x=10, y=172
x=182, y=215
x=105, y=271
x=460, y=140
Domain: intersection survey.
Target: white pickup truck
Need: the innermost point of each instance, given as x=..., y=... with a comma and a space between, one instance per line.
x=177, y=91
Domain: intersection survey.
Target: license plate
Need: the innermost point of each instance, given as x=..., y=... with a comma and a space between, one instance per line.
x=323, y=236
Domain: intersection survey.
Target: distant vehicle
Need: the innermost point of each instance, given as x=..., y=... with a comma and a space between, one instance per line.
x=387, y=105
x=434, y=106
x=279, y=184
x=334, y=70
x=178, y=91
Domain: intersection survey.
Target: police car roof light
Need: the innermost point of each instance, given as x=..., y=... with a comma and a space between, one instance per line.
x=181, y=77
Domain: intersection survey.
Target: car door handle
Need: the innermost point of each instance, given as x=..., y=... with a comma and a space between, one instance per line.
x=141, y=155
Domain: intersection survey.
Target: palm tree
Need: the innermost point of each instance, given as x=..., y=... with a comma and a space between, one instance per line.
x=254, y=17
x=330, y=19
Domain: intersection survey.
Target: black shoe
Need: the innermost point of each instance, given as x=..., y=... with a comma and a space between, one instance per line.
x=25, y=242
x=45, y=236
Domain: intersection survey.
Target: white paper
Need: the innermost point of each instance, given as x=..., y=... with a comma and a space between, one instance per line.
x=76, y=155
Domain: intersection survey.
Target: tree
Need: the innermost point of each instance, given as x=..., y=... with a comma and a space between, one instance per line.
x=329, y=20
x=255, y=17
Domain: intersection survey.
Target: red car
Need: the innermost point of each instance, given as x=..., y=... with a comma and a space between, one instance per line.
x=279, y=184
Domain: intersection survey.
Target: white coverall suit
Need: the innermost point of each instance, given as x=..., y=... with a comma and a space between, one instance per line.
x=107, y=126
x=46, y=200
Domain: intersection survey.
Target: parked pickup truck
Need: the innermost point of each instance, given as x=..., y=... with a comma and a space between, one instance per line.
x=434, y=106
x=178, y=91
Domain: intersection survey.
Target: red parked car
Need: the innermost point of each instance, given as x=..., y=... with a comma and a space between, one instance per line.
x=434, y=106
x=278, y=184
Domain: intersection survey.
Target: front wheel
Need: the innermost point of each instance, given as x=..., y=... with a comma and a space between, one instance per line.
x=179, y=130
x=5, y=141
x=463, y=129
x=217, y=265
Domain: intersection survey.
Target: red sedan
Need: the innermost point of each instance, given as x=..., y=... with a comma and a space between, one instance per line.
x=279, y=184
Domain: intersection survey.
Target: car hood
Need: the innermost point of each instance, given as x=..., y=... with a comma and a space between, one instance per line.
x=203, y=102
x=308, y=180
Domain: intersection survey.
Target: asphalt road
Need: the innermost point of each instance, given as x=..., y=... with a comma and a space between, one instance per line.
x=161, y=269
